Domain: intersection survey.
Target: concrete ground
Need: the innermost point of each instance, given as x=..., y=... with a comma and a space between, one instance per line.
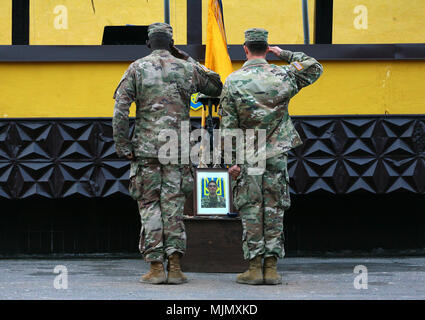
x=304, y=278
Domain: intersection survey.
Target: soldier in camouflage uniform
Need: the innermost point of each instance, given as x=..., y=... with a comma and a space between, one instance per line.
x=161, y=85
x=257, y=97
x=213, y=200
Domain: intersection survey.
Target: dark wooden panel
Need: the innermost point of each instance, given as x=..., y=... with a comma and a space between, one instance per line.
x=188, y=205
x=214, y=245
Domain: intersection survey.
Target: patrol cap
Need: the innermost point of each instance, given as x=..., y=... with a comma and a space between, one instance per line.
x=160, y=27
x=256, y=34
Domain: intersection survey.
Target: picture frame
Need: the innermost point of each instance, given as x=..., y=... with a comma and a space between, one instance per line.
x=219, y=205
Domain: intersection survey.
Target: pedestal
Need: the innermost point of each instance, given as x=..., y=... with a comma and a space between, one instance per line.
x=213, y=245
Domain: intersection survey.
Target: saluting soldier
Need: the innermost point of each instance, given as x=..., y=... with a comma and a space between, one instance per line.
x=257, y=97
x=161, y=85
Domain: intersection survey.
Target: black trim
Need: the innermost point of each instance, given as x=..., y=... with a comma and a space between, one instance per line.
x=194, y=22
x=323, y=21
x=307, y=117
x=20, y=22
x=404, y=51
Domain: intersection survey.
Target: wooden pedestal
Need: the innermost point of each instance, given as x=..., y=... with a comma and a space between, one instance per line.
x=213, y=245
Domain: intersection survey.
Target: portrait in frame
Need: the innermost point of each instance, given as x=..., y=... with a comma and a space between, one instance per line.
x=212, y=194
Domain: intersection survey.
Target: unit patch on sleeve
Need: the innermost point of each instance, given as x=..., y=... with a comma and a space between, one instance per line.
x=204, y=68
x=297, y=65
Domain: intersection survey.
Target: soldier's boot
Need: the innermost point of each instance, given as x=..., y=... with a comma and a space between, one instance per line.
x=254, y=274
x=270, y=271
x=156, y=274
x=175, y=274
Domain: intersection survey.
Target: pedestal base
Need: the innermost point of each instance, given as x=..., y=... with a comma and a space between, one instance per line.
x=214, y=245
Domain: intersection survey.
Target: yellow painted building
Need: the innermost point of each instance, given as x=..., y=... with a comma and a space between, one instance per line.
x=72, y=22
x=5, y=22
x=85, y=89
x=81, y=89
x=378, y=21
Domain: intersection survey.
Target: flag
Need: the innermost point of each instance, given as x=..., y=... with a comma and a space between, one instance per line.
x=216, y=54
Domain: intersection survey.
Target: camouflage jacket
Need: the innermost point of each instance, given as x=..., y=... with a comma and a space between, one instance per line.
x=161, y=86
x=213, y=202
x=257, y=97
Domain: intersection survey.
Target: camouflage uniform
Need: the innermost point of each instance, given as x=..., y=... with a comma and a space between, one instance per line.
x=161, y=86
x=213, y=202
x=257, y=97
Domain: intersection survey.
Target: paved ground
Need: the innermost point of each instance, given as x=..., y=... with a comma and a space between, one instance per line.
x=304, y=278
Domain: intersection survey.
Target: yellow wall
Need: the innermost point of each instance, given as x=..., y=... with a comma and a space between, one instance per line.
x=384, y=21
x=5, y=22
x=388, y=21
x=282, y=18
x=85, y=26
x=86, y=89
x=369, y=87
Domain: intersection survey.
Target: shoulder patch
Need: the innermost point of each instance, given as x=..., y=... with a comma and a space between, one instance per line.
x=204, y=68
x=297, y=65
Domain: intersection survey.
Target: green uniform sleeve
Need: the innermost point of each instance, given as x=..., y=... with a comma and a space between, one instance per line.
x=303, y=68
x=207, y=81
x=124, y=95
x=229, y=115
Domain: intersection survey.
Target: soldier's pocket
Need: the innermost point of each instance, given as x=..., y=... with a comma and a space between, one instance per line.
x=135, y=187
x=285, y=200
x=246, y=191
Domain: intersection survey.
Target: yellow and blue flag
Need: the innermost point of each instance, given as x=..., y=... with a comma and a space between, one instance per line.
x=216, y=53
x=220, y=186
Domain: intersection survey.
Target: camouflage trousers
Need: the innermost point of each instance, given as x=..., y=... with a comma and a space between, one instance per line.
x=160, y=191
x=261, y=201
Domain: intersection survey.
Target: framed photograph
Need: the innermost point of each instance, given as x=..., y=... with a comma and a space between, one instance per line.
x=212, y=194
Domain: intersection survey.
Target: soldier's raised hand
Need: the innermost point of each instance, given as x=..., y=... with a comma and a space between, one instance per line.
x=276, y=50
x=179, y=54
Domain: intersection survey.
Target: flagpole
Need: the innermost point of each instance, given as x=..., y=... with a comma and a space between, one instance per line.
x=201, y=163
x=167, y=11
x=305, y=22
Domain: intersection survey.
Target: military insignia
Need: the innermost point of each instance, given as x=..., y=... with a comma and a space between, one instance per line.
x=193, y=104
x=204, y=68
x=297, y=65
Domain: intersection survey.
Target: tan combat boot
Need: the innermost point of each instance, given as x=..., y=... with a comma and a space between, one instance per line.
x=156, y=275
x=175, y=275
x=254, y=274
x=270, y=271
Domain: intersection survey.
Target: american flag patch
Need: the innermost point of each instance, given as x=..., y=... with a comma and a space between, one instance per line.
x=204, y=68
x=297, y=65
